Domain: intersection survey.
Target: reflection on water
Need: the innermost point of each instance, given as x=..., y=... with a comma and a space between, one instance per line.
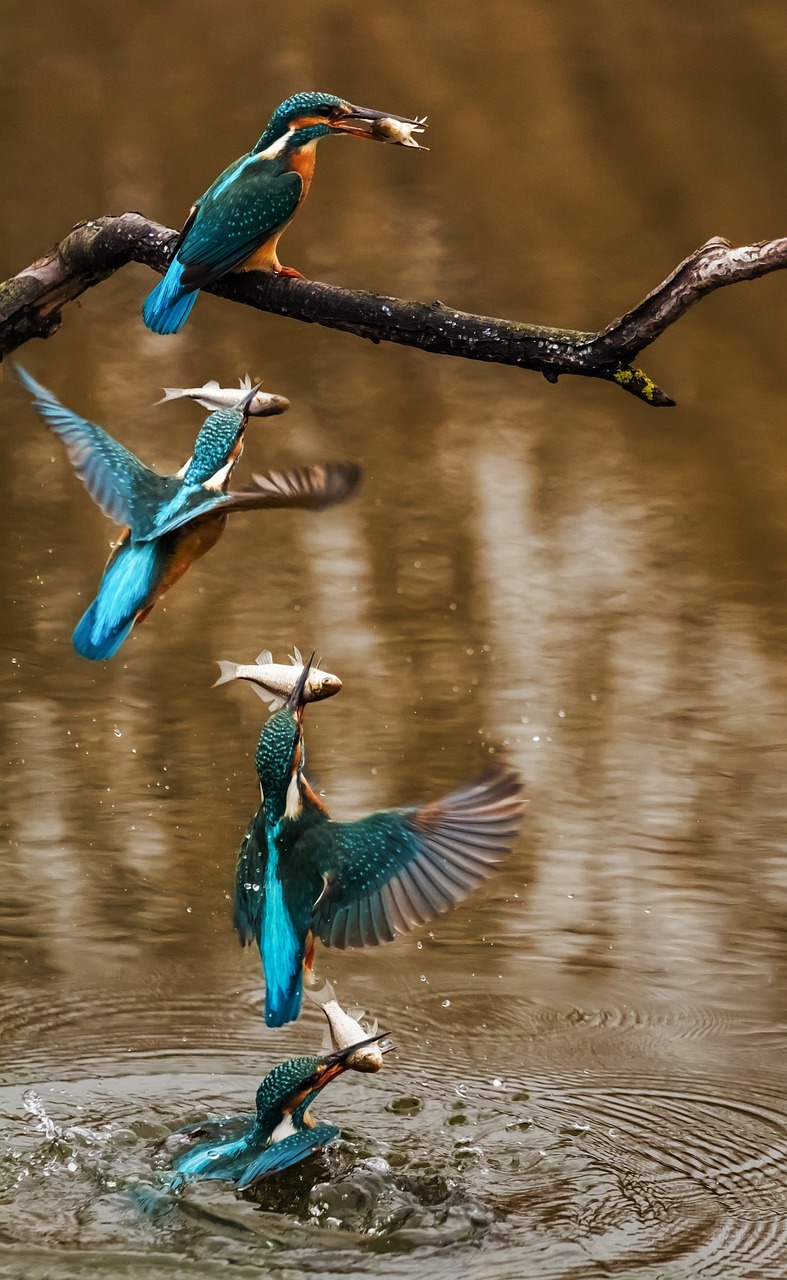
x=593, y=1049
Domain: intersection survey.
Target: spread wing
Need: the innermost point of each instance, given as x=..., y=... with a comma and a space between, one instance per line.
x=113, y=476
x=312, y=487
x=284, y=1154
x=395, y=870
x=244, y=207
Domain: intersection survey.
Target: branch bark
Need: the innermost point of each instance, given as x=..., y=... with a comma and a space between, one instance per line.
x=31, y=304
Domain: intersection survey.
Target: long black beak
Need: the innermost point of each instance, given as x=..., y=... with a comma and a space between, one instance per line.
x=333, y=1064
x=296, y=700
x=245, y=404
x=361, y=120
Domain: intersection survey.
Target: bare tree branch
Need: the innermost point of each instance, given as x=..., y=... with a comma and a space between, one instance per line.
x=31, y=304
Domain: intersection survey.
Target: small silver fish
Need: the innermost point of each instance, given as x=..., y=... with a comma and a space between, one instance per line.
x=344, y=1030
x=400, y=132
x=212, y=396
x=274, y=682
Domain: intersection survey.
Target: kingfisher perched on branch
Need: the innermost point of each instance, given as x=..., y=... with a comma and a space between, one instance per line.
x=248, y=1148
x=170, y=521
x=236, y=224
x=302, y=877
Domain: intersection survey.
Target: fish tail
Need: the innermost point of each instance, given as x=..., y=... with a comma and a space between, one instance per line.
x=229, y=671
x=170, y=393
x=325, y=995
x=167, y=307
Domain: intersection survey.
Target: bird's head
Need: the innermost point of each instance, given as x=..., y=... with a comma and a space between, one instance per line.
x=219, y=445
x=290, y=1088
x=280, y=754
x=308, y=116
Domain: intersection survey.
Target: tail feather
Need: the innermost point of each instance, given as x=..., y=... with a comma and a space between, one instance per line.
x=127, y=588
x=282, y=1004
x=167, y=307
x=95, y=638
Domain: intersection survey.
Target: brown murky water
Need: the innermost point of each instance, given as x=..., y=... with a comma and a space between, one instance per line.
x=590, y=1077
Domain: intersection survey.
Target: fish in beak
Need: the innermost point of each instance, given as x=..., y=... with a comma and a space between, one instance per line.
x=380, y=126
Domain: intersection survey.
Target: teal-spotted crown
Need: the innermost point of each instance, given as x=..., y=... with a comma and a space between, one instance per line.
x=274, y=760
x=214, y=444
x=299, y=105
x=280, y=1084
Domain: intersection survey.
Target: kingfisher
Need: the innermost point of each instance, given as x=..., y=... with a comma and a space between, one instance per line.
x=301, y=876
x=169, y=521
x=247, y=1148
x=236, y=224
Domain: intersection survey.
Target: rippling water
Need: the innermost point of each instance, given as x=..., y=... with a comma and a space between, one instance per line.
x=589, y=1078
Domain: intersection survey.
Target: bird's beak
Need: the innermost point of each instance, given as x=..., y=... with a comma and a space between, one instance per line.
x=245, y=403
x=360, y=121
x=295, y=702
x=335, y=1063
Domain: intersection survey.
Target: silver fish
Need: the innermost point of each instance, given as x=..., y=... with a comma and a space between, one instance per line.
x=274, y=682
x=400, y=132
x=212, y=396
x=344, y=1030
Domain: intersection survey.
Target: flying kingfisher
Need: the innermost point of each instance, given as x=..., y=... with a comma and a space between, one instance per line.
x=301, y=876
x=236, y=224
x=247, y=1148
x=170, y=521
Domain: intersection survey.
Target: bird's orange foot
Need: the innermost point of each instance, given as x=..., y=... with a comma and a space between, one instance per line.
x=291, y=272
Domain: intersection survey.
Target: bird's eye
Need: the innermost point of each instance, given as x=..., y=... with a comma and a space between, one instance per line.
x=323, y=111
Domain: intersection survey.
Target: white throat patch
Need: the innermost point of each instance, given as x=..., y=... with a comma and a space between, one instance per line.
x=284, y=1129
x=294, y=803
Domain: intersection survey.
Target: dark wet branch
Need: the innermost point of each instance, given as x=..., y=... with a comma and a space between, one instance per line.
x=31, y=304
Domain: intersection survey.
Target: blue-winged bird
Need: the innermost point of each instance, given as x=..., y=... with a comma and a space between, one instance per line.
x=170, y=521
x=236, y=224
x=301, y=876
x=247, y=1148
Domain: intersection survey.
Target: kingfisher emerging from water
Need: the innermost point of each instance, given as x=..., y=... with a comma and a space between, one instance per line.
x=247, y=1148
x=301, y=876
x=170, y=521
x=236, y=224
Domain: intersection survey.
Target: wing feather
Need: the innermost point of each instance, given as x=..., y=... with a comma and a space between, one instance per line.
x=398, y=869
x=240, y=212
x=311, y=487
x=284, y=1154
x=113, y=476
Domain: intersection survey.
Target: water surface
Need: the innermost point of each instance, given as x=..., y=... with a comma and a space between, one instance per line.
x=590, y=1072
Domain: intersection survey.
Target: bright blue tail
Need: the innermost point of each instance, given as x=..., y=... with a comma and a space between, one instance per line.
x=283, y=1005
x=125, y=589
x=281, y=948
x=95, y=639
x=167, y=308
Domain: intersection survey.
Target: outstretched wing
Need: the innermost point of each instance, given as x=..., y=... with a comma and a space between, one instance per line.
x=284, y=1154
x=395, y=870
x=113, y=476
x=245, y=206
x=317, y=486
